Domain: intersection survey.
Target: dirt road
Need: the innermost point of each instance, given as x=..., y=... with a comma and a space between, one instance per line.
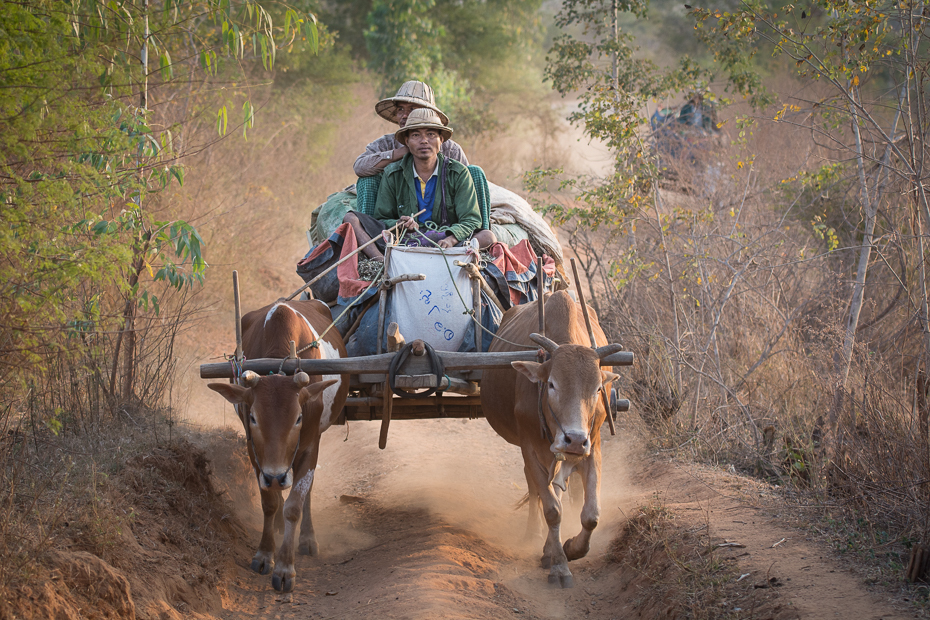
x=427, y=529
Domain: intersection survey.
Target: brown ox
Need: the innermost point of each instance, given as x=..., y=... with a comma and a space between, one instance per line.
x=283, y=419
x=570, y=439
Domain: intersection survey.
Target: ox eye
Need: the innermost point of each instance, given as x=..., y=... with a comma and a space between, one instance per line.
x=551, y=385
x=252, y=419
x=300, y=419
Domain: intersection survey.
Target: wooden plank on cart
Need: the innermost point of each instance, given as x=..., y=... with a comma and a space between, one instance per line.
x=378, y=364
x=450, y=384
x=404, y=409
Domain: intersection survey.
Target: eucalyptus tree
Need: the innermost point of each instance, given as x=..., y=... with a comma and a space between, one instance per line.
x=89, y=136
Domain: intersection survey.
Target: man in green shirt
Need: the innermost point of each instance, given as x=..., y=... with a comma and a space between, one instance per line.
x=425, y=180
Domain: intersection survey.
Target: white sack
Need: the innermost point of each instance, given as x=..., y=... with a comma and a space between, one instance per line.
x=431, y=309
x=510, y=208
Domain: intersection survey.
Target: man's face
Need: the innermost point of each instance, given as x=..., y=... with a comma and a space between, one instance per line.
x=424, y=144
x=403, y=111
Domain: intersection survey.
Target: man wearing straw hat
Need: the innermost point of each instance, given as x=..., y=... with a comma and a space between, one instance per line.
x=386, y=149
x=424, y=180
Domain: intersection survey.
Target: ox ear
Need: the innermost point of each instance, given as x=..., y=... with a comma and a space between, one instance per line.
x=236, y=394
x=531, y=370
x=307, y=393
x=608, y=377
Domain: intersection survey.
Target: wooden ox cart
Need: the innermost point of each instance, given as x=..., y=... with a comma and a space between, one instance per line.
x=455, y=390
x=283, y=448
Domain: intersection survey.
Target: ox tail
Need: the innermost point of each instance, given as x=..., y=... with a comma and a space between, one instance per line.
x=522, y=502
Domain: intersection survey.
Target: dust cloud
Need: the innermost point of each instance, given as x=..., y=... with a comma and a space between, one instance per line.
x=459, y=470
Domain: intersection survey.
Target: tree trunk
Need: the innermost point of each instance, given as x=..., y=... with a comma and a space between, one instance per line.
x=842, y=359
x=671, y=294
x=127, y=333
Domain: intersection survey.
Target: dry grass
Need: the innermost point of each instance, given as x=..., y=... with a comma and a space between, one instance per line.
x=745, y=378
x=678, y=571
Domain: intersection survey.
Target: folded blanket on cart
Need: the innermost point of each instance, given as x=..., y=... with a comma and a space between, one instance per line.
x=343, y=281
x=512, y=273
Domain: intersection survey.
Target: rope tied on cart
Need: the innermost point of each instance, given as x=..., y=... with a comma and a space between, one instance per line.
x=436, y=368
x=235, y=364
x=316, y=343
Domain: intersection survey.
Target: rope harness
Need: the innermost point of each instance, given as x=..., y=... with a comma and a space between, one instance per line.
x=436, y=369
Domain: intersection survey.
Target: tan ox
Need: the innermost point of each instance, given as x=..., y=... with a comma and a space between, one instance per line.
x=570, y=439
x=283, y=419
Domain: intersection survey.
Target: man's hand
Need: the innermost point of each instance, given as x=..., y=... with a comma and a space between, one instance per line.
x=399, y=153
x=408, y=222
x=448, y=242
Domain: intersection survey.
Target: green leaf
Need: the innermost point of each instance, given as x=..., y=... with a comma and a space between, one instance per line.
x=221, y=121
x=313, y=37
x=178, y=173
x=249, y=118
x=166, y=69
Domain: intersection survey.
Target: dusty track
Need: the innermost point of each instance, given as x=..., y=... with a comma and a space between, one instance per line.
x=426, y=529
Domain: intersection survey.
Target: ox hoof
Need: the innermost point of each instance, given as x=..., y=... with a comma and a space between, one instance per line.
x=564, y=581
x=262, y=566
x=575, y=550
x=282, y=585
x=308, y=548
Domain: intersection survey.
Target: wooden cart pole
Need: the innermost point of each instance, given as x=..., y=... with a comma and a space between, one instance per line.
x=541, y=294
x=387, y=396
x=238, y=316
x=541, y=303
x=476, y=306
x=239, y=356
x=587, y=322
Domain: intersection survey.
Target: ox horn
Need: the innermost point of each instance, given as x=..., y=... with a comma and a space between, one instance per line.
x=608, y=349
x=302, y=379
x=250, y=378
x=544, y=342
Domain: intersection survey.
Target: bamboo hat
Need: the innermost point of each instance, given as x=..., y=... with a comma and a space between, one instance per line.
x=423, y=118
x=410, y=92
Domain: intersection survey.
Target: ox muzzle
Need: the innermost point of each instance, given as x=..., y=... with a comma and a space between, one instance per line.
x=277, y=482
x=571, y=442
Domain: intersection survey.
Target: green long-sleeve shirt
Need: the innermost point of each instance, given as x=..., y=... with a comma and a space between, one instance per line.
x=397, y=196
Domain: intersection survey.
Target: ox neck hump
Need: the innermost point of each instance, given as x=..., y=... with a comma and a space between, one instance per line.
x=282, y=314
x=564, y=320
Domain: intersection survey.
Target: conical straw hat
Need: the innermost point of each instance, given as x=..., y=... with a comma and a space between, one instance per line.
x=410, y=92
x=423, y=118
